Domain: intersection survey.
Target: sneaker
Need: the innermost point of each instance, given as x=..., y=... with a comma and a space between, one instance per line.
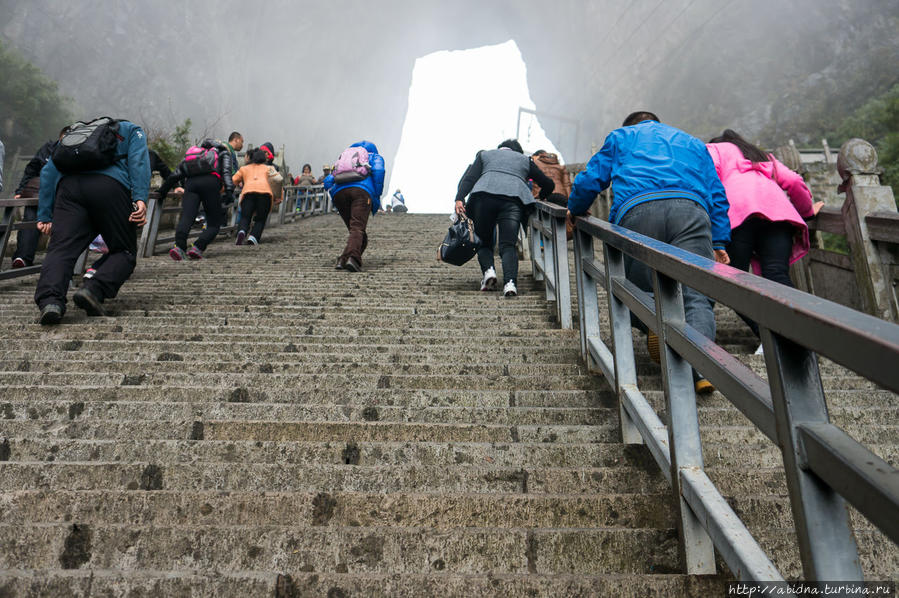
x=510, y=290
x=488, y=283
x=89, y=273
x=18, y=263
x=352, y=265
x=252, y=240
x=195, y=253
x=704, y=387
x=89, y=302
x=51, y=314
x=760, y=350
x=176, y=253
x=340, y=264
x=652, y=345
x=241, y=235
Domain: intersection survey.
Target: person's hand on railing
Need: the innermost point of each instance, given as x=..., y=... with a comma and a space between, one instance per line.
x=569, y=225
x=139, y=216
x=178, y=191
x=460, y=207
x=721, y=256
x=816, y=207
x=45, y=227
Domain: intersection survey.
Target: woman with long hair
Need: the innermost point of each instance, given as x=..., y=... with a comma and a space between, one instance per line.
x=769, y=204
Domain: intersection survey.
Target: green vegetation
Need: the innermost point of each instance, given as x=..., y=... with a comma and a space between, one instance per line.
x=33, y=109
x=170, y=146
x=877, y=121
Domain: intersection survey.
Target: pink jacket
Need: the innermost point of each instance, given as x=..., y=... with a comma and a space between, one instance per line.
x=769, y=190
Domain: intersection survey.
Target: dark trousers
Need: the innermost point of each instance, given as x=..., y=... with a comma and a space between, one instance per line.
x=354, y=206
x=88, y=205
x=769, y=242
x=488, y=212
x=203, y=189
x=255, y=207
x=26, y=240
x=682, y=223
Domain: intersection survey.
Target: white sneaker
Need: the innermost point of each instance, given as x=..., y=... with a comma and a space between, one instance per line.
x=760, y=350
x=489, y=281
x=252, y=240
x=510, y=290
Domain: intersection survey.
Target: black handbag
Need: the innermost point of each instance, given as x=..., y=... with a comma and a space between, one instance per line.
x=461, y=242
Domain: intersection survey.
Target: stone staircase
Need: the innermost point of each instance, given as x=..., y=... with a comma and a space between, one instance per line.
x=258, y=424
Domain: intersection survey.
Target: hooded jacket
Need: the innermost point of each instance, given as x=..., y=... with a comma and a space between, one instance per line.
x=132, y=172
x=373, y=185
x=549, y=165
x=767, y=190
x=652, y=161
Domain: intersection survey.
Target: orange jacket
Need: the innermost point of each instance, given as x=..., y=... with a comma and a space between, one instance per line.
x=549, y=165
x=255, y=179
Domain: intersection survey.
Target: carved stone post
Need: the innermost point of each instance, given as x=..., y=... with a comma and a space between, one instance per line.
x=857, y=165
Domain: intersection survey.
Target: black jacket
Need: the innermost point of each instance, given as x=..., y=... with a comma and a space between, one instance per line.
x=228, y=163
x=34, y=166
x=225, y=171
x=157, y=165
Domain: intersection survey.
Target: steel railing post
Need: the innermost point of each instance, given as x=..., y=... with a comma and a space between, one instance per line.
x=827, y=545
x=622, y=344
x=153, y=220
x=589, y=301
x=697, y=552
x=549, y=256
x=563, y=279
x=579, y=278
x=7, y=230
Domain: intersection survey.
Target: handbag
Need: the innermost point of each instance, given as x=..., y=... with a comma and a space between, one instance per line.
x=460, y=244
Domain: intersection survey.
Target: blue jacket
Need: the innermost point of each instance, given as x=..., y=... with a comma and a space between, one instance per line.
x=650, y=161
x=133, y=172
x=373, y=185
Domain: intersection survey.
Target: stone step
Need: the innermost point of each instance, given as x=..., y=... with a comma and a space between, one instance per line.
x=377, y=411
x=400, y=397
x=339, y=509
x=138, y=583
x=268, y=379
x=226, y=547
x=168, y=411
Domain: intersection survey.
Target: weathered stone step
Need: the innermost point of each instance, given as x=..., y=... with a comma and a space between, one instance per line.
x=227, y=547
x=362, y=379
x=340, y=509
x=175, y=363
x=306, y=396
x=169, y=411
x=84, y=583
x=254, y=477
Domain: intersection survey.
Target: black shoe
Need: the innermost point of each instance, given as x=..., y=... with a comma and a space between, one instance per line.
x=89, y=303
x=340, y=264
x=51, y=314
x=352, y=265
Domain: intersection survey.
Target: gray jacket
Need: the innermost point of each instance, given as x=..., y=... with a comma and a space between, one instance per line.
x=503, y=172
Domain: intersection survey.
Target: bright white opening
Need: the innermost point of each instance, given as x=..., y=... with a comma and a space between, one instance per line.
x=459, y=103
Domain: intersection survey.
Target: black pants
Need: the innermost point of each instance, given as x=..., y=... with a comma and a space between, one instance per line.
x=769, y=242
x=88, y=205
x=488, y=212
x=205, y=189
x=26, y=240
x=258, y=205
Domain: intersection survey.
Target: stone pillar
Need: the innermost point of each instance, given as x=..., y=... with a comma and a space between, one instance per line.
x=857, y=165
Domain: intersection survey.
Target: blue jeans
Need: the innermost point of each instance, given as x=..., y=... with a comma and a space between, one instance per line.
x=682, y=223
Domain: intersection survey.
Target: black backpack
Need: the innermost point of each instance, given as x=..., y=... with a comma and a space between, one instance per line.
x=88, y=146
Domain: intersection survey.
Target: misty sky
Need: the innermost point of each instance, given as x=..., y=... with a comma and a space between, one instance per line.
x=447, y=123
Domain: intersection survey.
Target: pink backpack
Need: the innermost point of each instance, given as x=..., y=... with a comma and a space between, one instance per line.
x=352, y=166
x=201, y=160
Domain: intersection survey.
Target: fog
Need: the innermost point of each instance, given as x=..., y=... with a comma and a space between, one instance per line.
x=316, y=76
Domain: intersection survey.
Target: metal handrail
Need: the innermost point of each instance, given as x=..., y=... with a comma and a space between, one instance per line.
x=8, y=225
x=549, y=257
x=825, y=467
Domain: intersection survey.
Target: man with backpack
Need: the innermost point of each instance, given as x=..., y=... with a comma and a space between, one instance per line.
x=356, y=184
x=201, y=174
x=230, y=165
x=96, y=181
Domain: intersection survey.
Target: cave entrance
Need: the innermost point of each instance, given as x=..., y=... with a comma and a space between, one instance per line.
x=459, y=102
